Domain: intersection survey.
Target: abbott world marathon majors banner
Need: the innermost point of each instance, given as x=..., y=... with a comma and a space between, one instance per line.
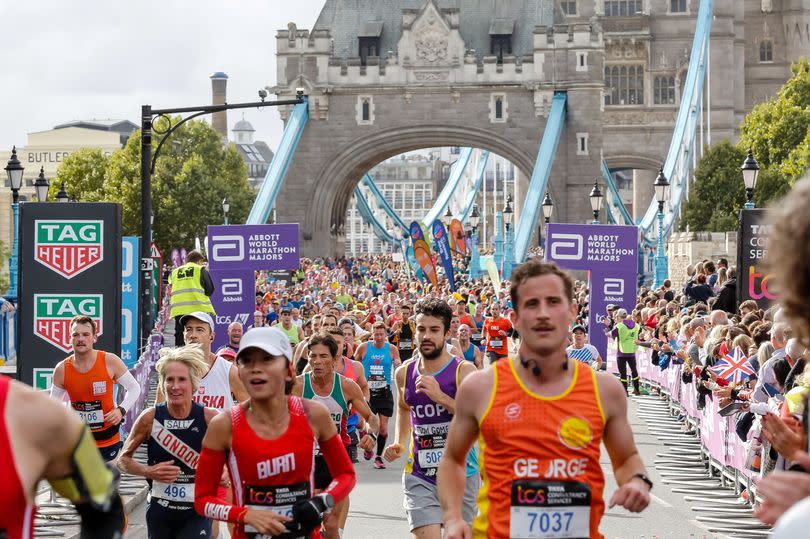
x=235, y=254
x=610, y=254
x=70, y=265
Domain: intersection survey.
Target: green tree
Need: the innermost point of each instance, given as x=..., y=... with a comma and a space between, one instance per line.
x=717, y=193
x=193, y=173
x=82, y=174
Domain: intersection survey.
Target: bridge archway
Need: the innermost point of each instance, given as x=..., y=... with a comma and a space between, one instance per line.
x=344, y=167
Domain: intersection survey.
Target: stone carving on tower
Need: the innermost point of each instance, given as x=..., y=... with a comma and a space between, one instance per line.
x=430, y=44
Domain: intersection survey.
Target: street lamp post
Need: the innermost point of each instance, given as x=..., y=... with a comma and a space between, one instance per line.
x=750, y=173
x=661, y=194
x=596, y=201
x=14, y=170
x=509, y=250
x=548, y=210
x=148, y=161
x=475, y=263
x=62, y=195
x=498, y=241
x=41, y=186
x=225, y=207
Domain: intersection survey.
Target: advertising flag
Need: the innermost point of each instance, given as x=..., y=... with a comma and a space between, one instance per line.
x=416, y=231
x=457, y=236
x=421, y=251
x=443, y=248
x=492, y=270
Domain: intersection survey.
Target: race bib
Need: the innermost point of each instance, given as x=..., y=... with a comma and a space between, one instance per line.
x=405, y=345
x=496, y=343
x=429, y=458
x=277, y=498
x=375, y=383
x=477, y=336
x=430, y=442
x=376, y=378
x=174, y=492
x=91, y=413
x=550, y=510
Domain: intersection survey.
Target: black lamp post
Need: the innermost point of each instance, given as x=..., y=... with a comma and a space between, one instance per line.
x=475, y=264
x=62, y=195
x=750, y=172
x=14, y=170
x=661, y=186
x=596, y=198
x=41, y=186
x=548, y=208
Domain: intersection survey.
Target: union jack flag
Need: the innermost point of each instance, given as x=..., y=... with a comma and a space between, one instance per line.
x=733, y=366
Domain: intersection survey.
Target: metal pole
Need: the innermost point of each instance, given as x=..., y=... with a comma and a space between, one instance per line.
x=475, y=262
x=661, y=269
x=498, y=242
x=13, y=266
x=146, y=225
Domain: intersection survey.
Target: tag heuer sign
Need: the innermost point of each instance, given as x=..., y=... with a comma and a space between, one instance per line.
x=53, y=313
x=68, y=247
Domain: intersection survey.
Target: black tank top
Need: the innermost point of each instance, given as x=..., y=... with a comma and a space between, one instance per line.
x=179, y=440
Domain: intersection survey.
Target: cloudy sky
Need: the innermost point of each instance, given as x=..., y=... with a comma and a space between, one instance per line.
x=71, y=60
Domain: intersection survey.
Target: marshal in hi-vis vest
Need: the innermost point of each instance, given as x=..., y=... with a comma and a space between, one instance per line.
x=627, y=338
x=188, y=295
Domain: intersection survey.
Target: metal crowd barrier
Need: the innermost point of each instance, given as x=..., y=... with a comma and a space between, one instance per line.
x=719, y=442
x=8, y=348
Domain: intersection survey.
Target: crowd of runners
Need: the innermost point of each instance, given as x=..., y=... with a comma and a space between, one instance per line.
x=500, y=403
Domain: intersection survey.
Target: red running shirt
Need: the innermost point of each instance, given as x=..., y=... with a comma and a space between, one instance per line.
x=16, y=516
x=271, y=474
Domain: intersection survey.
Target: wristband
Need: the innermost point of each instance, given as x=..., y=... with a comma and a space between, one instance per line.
x=123, y=410
x=644, y=478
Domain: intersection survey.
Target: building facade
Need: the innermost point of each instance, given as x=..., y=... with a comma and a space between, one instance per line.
x=386, y=77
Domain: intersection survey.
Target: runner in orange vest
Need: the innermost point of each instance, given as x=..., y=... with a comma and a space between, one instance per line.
x=540, y=419
x=87, y=378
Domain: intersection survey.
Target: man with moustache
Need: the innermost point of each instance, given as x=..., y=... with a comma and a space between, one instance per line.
x=540, y=419
x=427, y=386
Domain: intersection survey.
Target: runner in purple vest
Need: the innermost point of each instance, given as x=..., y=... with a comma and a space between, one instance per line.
x=426, y=387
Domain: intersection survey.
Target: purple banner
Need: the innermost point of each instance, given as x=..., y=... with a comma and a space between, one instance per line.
x=234, y=300
x=443, y=248
x=609, y=253
x=257, y=247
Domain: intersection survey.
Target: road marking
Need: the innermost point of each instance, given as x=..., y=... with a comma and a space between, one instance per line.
x=659, y=501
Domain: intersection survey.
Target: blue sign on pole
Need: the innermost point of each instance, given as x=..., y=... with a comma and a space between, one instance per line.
x=129, y=300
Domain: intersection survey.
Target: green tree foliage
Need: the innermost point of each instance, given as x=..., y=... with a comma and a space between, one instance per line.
x=193, y=173
x=778, y=132
x=82, y=174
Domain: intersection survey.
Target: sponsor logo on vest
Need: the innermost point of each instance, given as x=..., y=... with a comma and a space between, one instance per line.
x=216, y=511
x=575, y=433
x=512, y=411
x=276, y=465
x=53, y=313
x=68, y=247
x=177, y=424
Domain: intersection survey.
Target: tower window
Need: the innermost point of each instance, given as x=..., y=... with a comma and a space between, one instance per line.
x=664, y=90
x=623, y=8
x=569, y=7
x=677, y=6
x=766, y=50
x=499, y=108
x=369, y=46
x=366, y=110
x=501, y=46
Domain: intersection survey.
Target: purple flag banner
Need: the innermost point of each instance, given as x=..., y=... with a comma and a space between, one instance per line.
x=445, y=255
x=258, y=247
x=609, y=253
x=234, y=300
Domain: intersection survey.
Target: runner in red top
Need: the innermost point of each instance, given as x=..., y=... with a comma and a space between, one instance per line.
x=49, y=448
x=496, y=332
x=270, y=442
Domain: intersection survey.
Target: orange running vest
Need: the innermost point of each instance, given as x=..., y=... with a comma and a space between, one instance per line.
x=540, y=471
x=91, y=395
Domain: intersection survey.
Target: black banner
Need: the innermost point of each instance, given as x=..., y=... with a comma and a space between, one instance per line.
x=70, y=264
x=752, y=248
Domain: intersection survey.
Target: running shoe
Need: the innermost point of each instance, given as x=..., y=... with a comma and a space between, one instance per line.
x=368, y=454
x=379, y=464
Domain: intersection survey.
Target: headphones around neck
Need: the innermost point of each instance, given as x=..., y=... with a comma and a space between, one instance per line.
x=536, y=368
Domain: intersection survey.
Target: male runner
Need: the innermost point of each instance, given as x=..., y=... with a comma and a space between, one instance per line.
x=403, y=334
x=426, y=389
x=325, y=323
x=582, y=351
x=540, y=419
x=87, y=378
x=191, y=287
x=221, y=384
x=338, y=394
x=464, y=347
x=496, y=333
x=293, y=332
x=379, y=358
x=40, y=439
x=235, y=332
x=269, y=442
x=173, y=432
